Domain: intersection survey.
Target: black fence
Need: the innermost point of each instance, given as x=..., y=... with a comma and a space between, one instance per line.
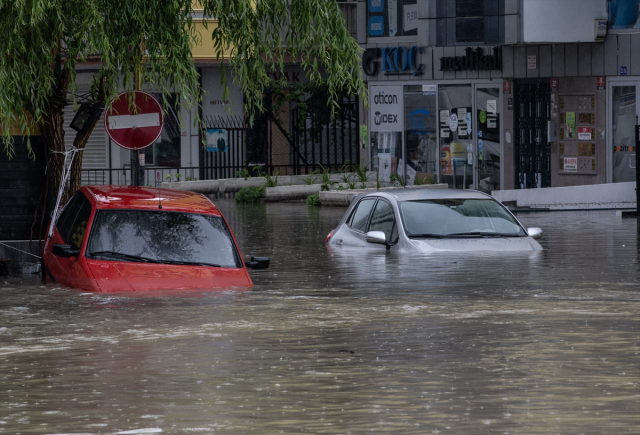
x=224, y=153
x=322, y=139
x=153, y=176
x=302, y=142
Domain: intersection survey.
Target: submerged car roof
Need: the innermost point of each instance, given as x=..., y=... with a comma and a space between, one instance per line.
x=417, y=193
x=148, y=198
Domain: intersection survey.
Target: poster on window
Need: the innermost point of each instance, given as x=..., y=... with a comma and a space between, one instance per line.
x=392, y=17
x=217, y=140
x=386, y=155
x=624, y=14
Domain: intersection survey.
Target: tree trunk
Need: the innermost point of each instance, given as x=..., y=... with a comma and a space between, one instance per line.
x=52, y=132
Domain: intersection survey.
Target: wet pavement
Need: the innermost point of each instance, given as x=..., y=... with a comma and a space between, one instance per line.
x=342, y=342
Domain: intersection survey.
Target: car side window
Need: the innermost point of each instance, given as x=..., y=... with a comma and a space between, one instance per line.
x=384, y=220
x=73, y=220
x=360, y=216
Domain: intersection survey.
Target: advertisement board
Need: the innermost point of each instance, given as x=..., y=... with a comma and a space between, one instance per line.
x=386, y=108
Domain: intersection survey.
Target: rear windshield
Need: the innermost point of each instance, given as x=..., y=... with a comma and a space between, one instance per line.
x=448, y=217
x=162, y=237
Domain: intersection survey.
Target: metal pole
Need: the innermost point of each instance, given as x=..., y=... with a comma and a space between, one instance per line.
x=637, y=169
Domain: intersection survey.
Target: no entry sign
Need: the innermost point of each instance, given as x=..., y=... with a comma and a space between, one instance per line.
x=137, y=127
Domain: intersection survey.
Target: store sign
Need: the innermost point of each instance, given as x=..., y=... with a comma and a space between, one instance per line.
x=401, y=60
x=395, y=60
x=474, y=59
x=571, y=164
x=386, y=108
x=370, y=61
x=506, y=87
x=429, y=90
x=584, y=133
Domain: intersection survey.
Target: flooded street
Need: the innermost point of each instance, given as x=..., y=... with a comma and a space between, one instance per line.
x=342, y=341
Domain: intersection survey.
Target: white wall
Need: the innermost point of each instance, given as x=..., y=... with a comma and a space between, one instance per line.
x=561, y=20
x=212, y=102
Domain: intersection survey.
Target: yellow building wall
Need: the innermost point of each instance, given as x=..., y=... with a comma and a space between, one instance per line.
x=14, y=128
x=204, y=49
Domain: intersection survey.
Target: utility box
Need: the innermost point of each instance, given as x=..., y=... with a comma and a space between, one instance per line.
x=600, y=30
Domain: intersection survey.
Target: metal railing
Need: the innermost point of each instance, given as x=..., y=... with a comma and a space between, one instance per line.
x=153, y=175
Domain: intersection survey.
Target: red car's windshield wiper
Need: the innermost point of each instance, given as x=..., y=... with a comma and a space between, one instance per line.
x=189, y=263
x=129, y=257
x=125, y=257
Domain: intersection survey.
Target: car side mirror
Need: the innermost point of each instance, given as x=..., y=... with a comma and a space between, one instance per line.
x=64, y=251
x=258, y=263
x=536, y=233
x=376, y=237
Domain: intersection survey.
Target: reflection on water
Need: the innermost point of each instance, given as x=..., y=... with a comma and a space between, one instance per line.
x=342, y=342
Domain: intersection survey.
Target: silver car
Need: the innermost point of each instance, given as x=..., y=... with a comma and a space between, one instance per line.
x=432, y=220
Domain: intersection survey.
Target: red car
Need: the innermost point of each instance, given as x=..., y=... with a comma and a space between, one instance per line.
x=116, y=238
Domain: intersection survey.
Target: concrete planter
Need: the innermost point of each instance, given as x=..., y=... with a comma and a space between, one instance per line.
x=343, y=198
x=297, y=193
x=232, y=185
x=206, y=187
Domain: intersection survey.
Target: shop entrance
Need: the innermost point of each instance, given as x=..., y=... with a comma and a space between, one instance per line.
x=532, y=148
x=469, y=136
x=623, y=116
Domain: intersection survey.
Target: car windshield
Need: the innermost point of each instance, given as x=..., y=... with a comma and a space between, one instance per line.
x=162, y=237
x=458, y=217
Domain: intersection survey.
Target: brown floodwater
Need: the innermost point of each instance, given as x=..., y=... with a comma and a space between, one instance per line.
x=342, y=341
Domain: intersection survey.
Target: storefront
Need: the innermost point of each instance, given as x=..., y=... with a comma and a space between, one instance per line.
x=622, y=116
x=496, y=118
x=426, y=130
x=448, y=132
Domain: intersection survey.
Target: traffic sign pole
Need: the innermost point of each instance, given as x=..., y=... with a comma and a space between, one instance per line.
x=135, y=127
x=637, y=175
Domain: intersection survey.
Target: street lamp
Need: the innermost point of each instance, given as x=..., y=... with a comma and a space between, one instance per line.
x=86, y=114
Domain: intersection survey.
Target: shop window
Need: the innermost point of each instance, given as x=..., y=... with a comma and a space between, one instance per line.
x=386, y=149
x=392, y=18
x=624, y=14
x=623, y=111
x=456, y=135
x=420, y=134
x=469, y=20
x=469, y=29
x=469, y=8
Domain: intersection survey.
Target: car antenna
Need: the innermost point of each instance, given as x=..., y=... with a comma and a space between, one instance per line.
x=159, y=201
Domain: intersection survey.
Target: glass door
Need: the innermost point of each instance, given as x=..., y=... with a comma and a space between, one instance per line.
x=623, y=116
x=488, y=149
x=456, y=143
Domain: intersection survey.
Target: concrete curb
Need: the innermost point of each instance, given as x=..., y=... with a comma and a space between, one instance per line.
x=206, y=187
x=230, y=185
x=297, y=193
x=589, y=197
x=342, y=198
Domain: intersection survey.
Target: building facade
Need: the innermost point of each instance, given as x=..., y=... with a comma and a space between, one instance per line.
x=502, y=94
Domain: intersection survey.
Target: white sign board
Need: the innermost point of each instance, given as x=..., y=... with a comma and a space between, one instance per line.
x=453, y=122
x=571, y=164
x=386, y=108
x=492, y=107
